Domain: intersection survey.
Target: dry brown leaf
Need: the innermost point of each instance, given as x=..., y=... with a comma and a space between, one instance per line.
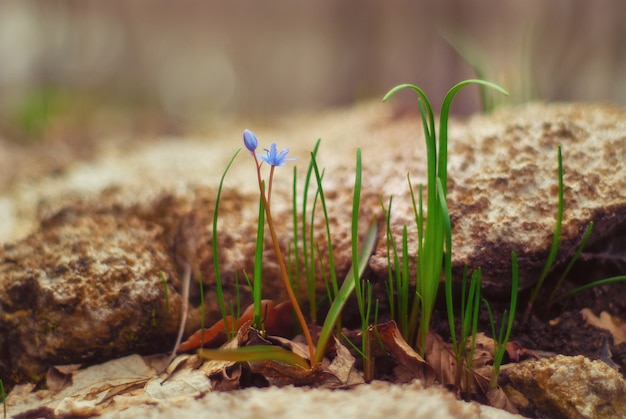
x=497, y=398
x=342, y=366
x=277, y=320
x=93, y=387
x=224, y=375
x=410, y=364
x=483, y=350
x=280, y=374
x=60, y=376
x=441, y=358
x=186, y=381
x=607, y=322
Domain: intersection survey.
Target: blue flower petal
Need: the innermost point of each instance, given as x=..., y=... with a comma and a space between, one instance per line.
x=250, y=140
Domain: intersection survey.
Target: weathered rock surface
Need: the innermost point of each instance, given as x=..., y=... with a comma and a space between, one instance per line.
x=571, y=387
x=102, y=232
x=83, y=288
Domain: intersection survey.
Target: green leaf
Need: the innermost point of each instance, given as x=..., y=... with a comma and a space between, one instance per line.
x=344, y=292
x=255, y=353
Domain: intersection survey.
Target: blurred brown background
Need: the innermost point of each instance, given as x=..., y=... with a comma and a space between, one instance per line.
x=78, y=71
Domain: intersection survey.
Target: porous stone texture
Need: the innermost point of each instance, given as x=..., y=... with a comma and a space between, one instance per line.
x=84, y=250
x=503, y=184
x=83, y=288
x=571, y=387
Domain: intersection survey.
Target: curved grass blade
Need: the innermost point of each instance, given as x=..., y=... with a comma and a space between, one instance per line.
x=592, y=285
x=219, y=290
x=443, y=124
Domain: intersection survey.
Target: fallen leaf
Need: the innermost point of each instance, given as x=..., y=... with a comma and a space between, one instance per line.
x=186, y=381
x=410, y=364
x=497, y=398
x=607, y=322
x=440, y=356
x=342, y=366
x=92, y=388
x=280, y=374
x=59, y=377
x=517, y=351
x=224, y=375
x=278, y=321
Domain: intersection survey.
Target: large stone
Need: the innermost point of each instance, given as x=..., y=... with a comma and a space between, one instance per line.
x=84, y=288
x=571, y=387
x=102, y=232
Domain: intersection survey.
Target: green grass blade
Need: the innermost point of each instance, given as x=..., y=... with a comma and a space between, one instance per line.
x=218, y=278
x=556, y=242
x=443, y=123
x=507, y=325
x=295, y=266
x=255, y=353
x=356, y=201
x=403, y=287
x=429, y=122
x=306, y=257
x=346, y=289
x=257, y=318
x=331, y=257
x=392, y=264
x=570, y=264
x=592, y=285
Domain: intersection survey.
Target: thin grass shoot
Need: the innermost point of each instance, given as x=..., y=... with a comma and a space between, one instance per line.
x=556, y=242
x=257, y=321
x=219, y=290
x=502, y=338
x=570, y=264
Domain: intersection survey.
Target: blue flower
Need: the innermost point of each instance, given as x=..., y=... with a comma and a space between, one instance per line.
x=249, y=140
x=274, y=158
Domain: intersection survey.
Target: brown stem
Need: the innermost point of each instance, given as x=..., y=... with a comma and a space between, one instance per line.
x=285, y=276
x=281, y=263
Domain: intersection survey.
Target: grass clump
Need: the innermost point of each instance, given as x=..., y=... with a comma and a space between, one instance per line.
x=431, y=232
x=508, y=318
x=338, y=296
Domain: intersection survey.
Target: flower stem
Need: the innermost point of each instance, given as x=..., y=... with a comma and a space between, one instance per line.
x=285, y=276
x=281, y=261
x=269, y=189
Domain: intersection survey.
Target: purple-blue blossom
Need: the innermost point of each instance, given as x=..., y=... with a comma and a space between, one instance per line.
x=274, y=158
x=249, y=140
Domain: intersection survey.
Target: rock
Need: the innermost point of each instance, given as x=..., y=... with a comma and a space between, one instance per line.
x=84, y=288
x=571, y=387
x=103, y=232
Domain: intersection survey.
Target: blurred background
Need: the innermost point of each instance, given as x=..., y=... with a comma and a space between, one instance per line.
x=75, y=72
